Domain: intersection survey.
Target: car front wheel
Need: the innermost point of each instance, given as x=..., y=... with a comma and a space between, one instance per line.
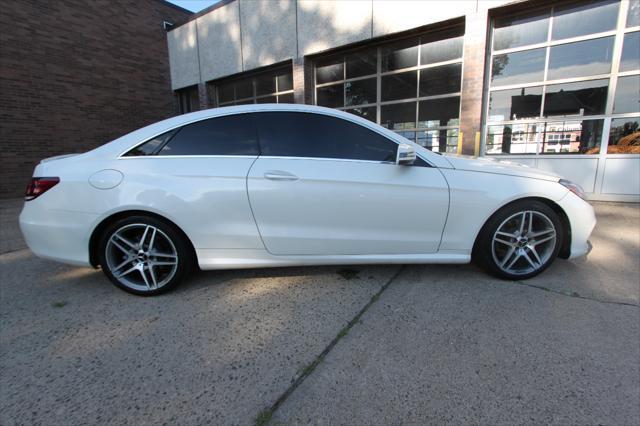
x=520, y=241
x=144, y=255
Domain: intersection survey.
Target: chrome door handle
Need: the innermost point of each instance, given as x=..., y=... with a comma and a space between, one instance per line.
x=280, y=175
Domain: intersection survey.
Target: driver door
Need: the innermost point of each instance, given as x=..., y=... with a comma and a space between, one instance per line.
x=327, y=186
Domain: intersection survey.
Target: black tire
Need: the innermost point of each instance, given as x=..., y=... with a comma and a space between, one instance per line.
x=491, y=255
x=153, y=264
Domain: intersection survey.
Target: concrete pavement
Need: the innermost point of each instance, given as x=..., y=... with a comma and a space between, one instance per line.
x=327, y=345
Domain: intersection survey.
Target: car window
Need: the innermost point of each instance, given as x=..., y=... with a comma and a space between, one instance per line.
x=151, y=146
x=228, y=135
x=296, y=134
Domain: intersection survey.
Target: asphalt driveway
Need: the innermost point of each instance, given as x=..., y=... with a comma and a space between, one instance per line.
x=326, y=345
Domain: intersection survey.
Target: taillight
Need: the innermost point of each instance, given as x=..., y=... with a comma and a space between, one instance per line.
x=39, y=185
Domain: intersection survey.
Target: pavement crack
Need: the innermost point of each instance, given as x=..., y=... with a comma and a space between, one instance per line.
x=575, y=295
x=264, y=417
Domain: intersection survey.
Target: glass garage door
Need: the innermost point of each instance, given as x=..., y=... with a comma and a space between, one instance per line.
x=411, y=86
x=563, y=93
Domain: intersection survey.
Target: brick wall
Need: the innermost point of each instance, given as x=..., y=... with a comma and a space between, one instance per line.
x=75, y=74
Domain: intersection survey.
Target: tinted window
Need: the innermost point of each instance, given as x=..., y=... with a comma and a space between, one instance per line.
x=630, y=52
x=439, y=112
x=582, y=136
x=285, y=81
x=294, y=134
x=580, y=59
x=330, y=69
x=360, y=92
x=331, y=96
x=285, y=99
x=440, y=80
x=627, y=95
x=369, y=113
x=398, y=116
x=624, y=137
x=514, y=138
x=515, y=104
x=399, y=55
x=151, y=146
x=231, y=135
x=518, y=67
x=586, y=17
x=520, y=30
x=361, y=63
x=441, y=50
x=633, y=14
x=399, y=86
x=583, y=98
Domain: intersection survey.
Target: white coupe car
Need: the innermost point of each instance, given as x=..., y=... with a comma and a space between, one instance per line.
x=277, y=185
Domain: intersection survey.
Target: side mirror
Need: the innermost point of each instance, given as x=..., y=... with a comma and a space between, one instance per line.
x=406, y=155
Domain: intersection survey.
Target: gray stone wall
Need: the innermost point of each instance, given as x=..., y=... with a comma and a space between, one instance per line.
x=242, y=35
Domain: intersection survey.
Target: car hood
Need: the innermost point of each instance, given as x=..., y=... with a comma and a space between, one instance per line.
x=492, y=165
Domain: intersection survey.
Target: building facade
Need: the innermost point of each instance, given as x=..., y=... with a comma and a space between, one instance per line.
x=75, y=74
x=553, y=85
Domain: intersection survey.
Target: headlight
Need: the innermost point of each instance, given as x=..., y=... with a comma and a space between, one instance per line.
x=573, y=187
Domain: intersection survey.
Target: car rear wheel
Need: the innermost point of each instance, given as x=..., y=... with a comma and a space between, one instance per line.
x=144, y=255
x=520, y=241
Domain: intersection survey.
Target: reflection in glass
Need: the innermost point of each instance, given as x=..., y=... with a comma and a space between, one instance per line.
x=360, y=92
x=439, y=112
x=399, y=55
x=245, y=101
x=441, y=50
x=520, y=30
x=624, y=136
x=361, y=63
x=330, y=96
x=581, y=98
x=633, y=14
x=365, y=112
x=585, y=17
x=630, y=60
x=329, y=69
x=267, y=100
x=580, y=59
x=515, y=104
x=399, y=86
x=440, y=80
x=225, y=93
x=286, y=98
x=572, y=137
x=265, y=84
x=445, y=140
x=285, y=81
x=409, y=135
x=514, y=138
x=244, y=88
x=398, y=116
x=627, y=95
x=518, y=67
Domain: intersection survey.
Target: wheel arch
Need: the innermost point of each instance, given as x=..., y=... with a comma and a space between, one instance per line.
x=565, y=250
x=97, y=232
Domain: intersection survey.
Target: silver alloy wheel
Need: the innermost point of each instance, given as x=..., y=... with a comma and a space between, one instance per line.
x=141, y=257
x=524, y=242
